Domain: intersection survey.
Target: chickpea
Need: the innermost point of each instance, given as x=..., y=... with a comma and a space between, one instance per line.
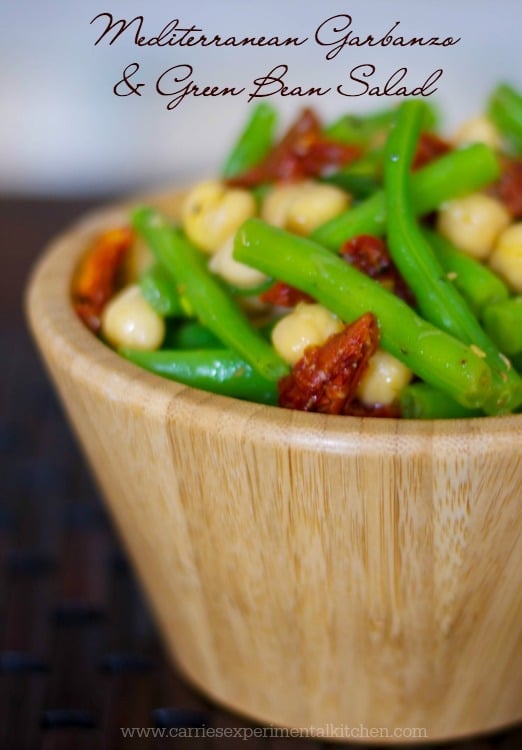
x=479, y=129
x=383, y=380
x=238, y=274
x=506, y=259
x=303, y=207
x=277, y=202
x=212, y=212
x=473, y=223
x=306, y=325
x=129, y=320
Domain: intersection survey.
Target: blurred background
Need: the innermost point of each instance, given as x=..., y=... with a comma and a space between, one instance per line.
x=63, y=130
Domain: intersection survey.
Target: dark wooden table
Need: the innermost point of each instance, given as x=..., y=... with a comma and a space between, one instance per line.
x=79, y=654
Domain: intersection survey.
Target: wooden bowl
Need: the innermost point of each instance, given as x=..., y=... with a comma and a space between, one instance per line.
x=308, y=571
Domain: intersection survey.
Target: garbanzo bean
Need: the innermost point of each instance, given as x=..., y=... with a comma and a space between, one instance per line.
x=506, y=259
x=473, y=223
x=212, y=212
x=306, y=325
x=237, y=274
x=129, y=320
x=478, y=129
x=383, y=380
x=303, y=207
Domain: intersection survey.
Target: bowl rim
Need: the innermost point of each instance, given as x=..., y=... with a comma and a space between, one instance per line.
x=57, y=330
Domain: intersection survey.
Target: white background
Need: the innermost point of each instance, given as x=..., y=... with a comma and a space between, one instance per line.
x=64, y=132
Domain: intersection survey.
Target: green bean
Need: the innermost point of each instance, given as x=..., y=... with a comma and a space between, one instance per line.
x=505, y=110
x=260, y=192
x=160, y=292
x=253, y=291
x=211, y=304
x=503, y=322
x=360, y=130
x=191, y=335
x=433, y=355
x=219, y=371
x=516, y=361
x=363, y=130
x=361, y=178
x=421, y=401
x=475, y=281
x=438, y=300
x=455, y=174
x=254, y=143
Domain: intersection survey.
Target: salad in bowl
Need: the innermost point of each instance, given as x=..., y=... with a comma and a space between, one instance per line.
x=369, y=266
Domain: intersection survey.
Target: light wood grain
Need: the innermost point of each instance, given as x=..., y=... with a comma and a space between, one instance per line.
x=305, y=570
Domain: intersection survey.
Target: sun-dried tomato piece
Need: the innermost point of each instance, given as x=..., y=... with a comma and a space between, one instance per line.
x=367, y=253
x=508, y=188
x=370, y=255
x=303, y=152
x=284, y=295
x=429, y=147
x=323, y=157
x=326, y=377
x=96, y=279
